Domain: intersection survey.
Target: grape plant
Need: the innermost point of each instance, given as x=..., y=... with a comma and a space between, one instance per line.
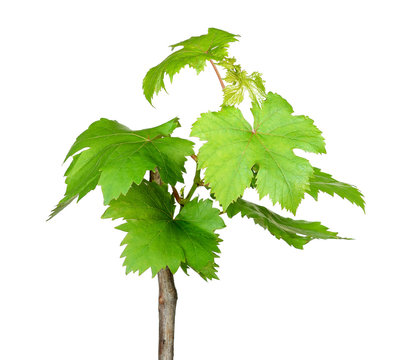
x=139, y=172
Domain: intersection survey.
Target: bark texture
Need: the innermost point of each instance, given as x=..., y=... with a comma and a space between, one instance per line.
x=167, y=301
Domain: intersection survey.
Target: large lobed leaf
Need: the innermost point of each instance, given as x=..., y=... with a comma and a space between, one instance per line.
x=114, y=157
x=296, y=233
x=157, y=239
x=233, y=147
x=324, y=182
x=194, y=52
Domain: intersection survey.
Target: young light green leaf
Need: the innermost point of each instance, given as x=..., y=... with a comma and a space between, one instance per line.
x=240, y=83
x=194, y=52
x=156, y=239
x=114, y=157
x=233, y=147
x=296, y=233
x=324, y=182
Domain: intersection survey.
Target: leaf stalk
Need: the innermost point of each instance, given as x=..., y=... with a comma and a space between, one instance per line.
x=217, y=74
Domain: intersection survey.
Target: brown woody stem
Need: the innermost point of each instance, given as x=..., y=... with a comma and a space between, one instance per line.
x=167, y=301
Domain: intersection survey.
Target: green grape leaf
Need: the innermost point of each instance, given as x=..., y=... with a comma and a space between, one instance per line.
x=67, y=200
x=296, y=233
x=240, y=83
x=233, y=147
x=114, y=157
x=194, y=52
x=156, y=239
x=324, y=182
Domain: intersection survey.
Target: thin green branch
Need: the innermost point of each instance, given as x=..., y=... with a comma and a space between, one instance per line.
x=197, y=181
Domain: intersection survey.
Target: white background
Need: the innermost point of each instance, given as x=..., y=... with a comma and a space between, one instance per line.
x=349, y=65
